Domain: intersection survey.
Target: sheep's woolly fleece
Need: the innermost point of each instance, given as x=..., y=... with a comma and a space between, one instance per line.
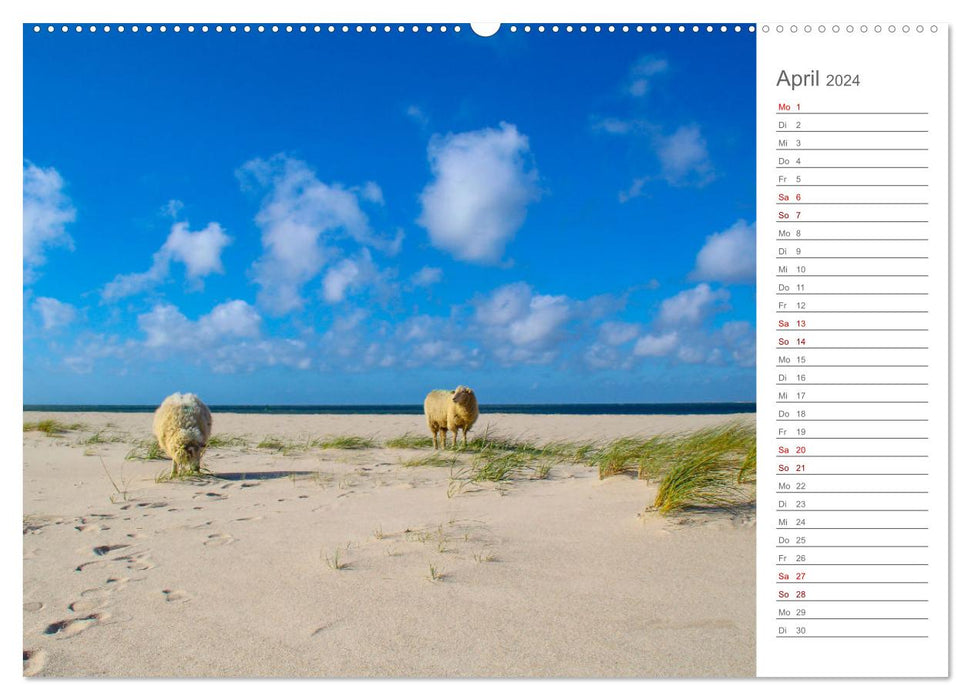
x=182, y=427
x=451, y=411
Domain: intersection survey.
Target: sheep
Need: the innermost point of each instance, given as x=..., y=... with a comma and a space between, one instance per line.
x=182, y=427
x=450, y=411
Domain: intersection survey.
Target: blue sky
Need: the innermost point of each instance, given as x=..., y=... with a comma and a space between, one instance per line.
x=317, y=218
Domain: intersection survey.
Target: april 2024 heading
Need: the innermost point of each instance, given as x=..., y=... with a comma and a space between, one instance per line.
x=814, y=79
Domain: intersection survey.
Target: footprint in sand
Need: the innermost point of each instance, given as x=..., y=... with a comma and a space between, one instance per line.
x=88, y=604
x=34, y=660
x=112, y=585
x=247, y=518
x=33, y=606
x=175, y=596
x=138, y=561
x=210, y=496
x=75, y=625
x=103, y=549
x=219, y=539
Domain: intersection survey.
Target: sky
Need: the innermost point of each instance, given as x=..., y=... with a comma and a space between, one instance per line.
x=358, y=218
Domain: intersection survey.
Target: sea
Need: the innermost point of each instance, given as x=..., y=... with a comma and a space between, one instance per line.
x=572, y=409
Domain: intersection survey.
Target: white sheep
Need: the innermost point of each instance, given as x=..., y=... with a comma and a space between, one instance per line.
x=450, y=411
x=182, y=427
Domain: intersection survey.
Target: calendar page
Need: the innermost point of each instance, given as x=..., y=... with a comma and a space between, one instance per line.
x=423, y=349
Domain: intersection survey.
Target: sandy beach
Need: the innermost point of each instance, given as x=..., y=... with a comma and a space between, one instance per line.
x=310, y=562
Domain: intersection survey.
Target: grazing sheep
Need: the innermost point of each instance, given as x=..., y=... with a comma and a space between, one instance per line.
x=451, y=411
x=182, y=427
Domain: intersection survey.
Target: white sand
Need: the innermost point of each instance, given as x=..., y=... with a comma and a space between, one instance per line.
x=563, y=577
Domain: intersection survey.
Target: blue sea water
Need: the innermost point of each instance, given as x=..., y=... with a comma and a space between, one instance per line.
x=573, y=409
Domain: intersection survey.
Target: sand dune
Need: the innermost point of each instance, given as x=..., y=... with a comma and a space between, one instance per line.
x=347, y=563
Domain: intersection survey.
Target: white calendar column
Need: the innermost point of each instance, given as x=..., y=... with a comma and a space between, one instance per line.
x=852, y=350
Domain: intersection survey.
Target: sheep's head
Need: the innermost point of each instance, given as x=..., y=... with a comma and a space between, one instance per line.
x=463, y=395
x=189, y=456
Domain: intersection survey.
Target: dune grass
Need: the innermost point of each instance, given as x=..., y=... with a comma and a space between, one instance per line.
x=409, y=441
x=330, y=442
x=435, y=459
x=52, y=427
x=227, y=441
x=499, y=466
x=714, y=467
x=146, y=450
x=344, y=442
x=101, y=438
x=701, y=479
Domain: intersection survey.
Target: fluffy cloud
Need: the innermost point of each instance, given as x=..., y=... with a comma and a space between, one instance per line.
x=683, y=155
x=642, y=71
x=166, y=327
x=652, y=345
x=427, y=276
x=690, y=307
x=728, y=256
x=54, y=314
x=301, y=219
x=483, y=183
x=227, y=338
x=199, y=251
x=681, y=332
x=47, y=211
x=348, y=275
x=522, y=326
x=618, y=333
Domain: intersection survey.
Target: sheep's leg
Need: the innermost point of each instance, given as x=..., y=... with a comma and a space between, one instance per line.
x=175, y=469
x=435, y=438
x=465, y=437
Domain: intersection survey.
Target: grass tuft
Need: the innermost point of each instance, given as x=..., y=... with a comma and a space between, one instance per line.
x=52, y=427
x=436, y=459
x=409, y=441
x=335, y=442
x=713, y=467
x=335, y=562
x=100, y=438
x=146, y=450
x=343, y=442
x=227, y=441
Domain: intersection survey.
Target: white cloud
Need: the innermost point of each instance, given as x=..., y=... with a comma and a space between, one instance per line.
x=167, y=327
x=522, y=326
x=47, y=211
x=199, y=251
x=690, y=307
x=301, y=219
x=483, y=183
x=683, y=155
x=427, y=276
x=618, y=333
x=227, y=338
x=642, y=71
x=656, y=345
x=54, y=314
x=739, y=337
x=728, y=256
x=350, y=274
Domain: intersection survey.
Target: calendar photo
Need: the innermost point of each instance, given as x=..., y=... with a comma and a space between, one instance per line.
x=424, y=350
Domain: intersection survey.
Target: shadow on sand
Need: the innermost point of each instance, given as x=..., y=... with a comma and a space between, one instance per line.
x=258, y=476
